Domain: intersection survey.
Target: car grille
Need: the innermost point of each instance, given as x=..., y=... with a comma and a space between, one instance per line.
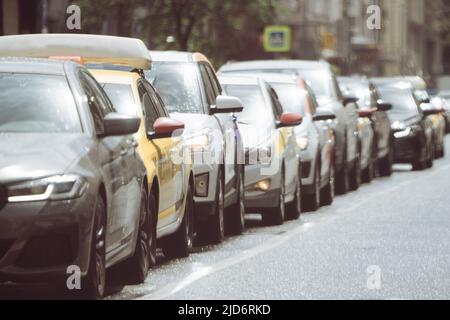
x=3, y=196
x=50, y=250
x=5, y=245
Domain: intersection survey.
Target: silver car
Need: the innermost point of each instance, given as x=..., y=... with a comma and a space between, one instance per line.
x=322, y=80
x=188, y=85
x=273, y=173
x=314, y=137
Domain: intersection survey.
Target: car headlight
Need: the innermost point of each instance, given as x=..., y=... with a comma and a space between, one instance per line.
x=302, y=142
x=403, y=133
x=61, y=187
x=398, y=125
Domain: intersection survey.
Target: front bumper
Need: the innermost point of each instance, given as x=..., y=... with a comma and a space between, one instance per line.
x=39, y=240
x=407, y=149
x=205, y=205
x=257, y=199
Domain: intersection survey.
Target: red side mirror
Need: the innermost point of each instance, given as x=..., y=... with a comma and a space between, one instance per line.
x=290, y=119
x=165, y=127
x=366, y=113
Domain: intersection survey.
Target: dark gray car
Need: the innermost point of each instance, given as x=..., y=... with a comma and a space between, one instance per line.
x=71, y=183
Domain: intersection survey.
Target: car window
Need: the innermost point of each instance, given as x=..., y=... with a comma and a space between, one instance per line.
x=277, y=107
x=98, y=113
x=312, y=100
x=101, y=97
x=214, y=81
x=37, y=103
x=209, y=91
x=291, y=97
x=159, y=105
x=150, y=111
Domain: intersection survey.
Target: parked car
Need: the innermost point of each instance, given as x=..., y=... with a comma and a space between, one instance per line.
x=315, y=142
x=322, y=80
x=413, y=129
x=371, y=107
x=419, y=88
x=273, y=174
x=189, y=87
x=72, y=184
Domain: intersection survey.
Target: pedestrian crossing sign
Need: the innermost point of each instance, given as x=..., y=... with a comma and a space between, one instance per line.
x=277, y=39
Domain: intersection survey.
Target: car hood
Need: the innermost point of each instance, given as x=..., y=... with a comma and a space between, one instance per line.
x=26, y=156
x=407, y=118
x=253, y=136
x=193, y=122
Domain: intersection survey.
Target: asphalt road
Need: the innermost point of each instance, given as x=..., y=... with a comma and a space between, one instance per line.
x=388, y=240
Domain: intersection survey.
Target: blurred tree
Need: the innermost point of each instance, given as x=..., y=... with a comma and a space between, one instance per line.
x=221, y=29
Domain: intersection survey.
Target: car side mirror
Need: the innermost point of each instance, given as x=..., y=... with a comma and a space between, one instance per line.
x=166, y=128
x=428, y=110
x=289, y=119
x=350, y=99
x=367, y=113
x=117, y=124
x=227, y=104
x=383, y=105
x=324, y=115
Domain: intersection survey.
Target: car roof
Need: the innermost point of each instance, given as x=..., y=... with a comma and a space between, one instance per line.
x=178, y=56
x=238, y=80
x=34, y=66
x=274, y=64
x=92, y=49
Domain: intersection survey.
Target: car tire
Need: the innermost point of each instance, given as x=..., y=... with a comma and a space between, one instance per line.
x=385, y=164
x=214, y=228
x=327, y=193
x=94, y=283
x=311, y=202
x=368, y=174
x=421, y=163
x=136, y=267
x=341, y=177
x=276, y=216
x=179, y=244
x=294, y=209
x=430, y=158
x=236, y=213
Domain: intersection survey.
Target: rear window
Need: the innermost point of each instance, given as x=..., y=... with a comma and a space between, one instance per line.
x=178, y=85
x=37, y=103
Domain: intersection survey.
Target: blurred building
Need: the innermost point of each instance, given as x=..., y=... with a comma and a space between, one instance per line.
x=409, y=41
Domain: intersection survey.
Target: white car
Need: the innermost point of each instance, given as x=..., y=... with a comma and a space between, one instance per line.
x=189, y=87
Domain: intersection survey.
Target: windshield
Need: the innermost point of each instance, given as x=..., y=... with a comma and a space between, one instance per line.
x=177, y=83
x=319, y=80
x=291, y=97
x=256, y=111
x=121, y=96
x=362, y=92
x=37, y=103
x=402, y=102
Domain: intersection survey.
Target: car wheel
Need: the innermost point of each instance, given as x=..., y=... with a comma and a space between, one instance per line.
x=430, y=158
x=385, y=164
x=368, y=174
x=214, y=228
x=236, y=213
x=276, y=216
x=294, y=209
x=311, y=202
x=341, y=178
x=94, y=283
x=179, y=244
x=355, y=174
x=136, y=267
x=420, y=164
x=327, y=193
